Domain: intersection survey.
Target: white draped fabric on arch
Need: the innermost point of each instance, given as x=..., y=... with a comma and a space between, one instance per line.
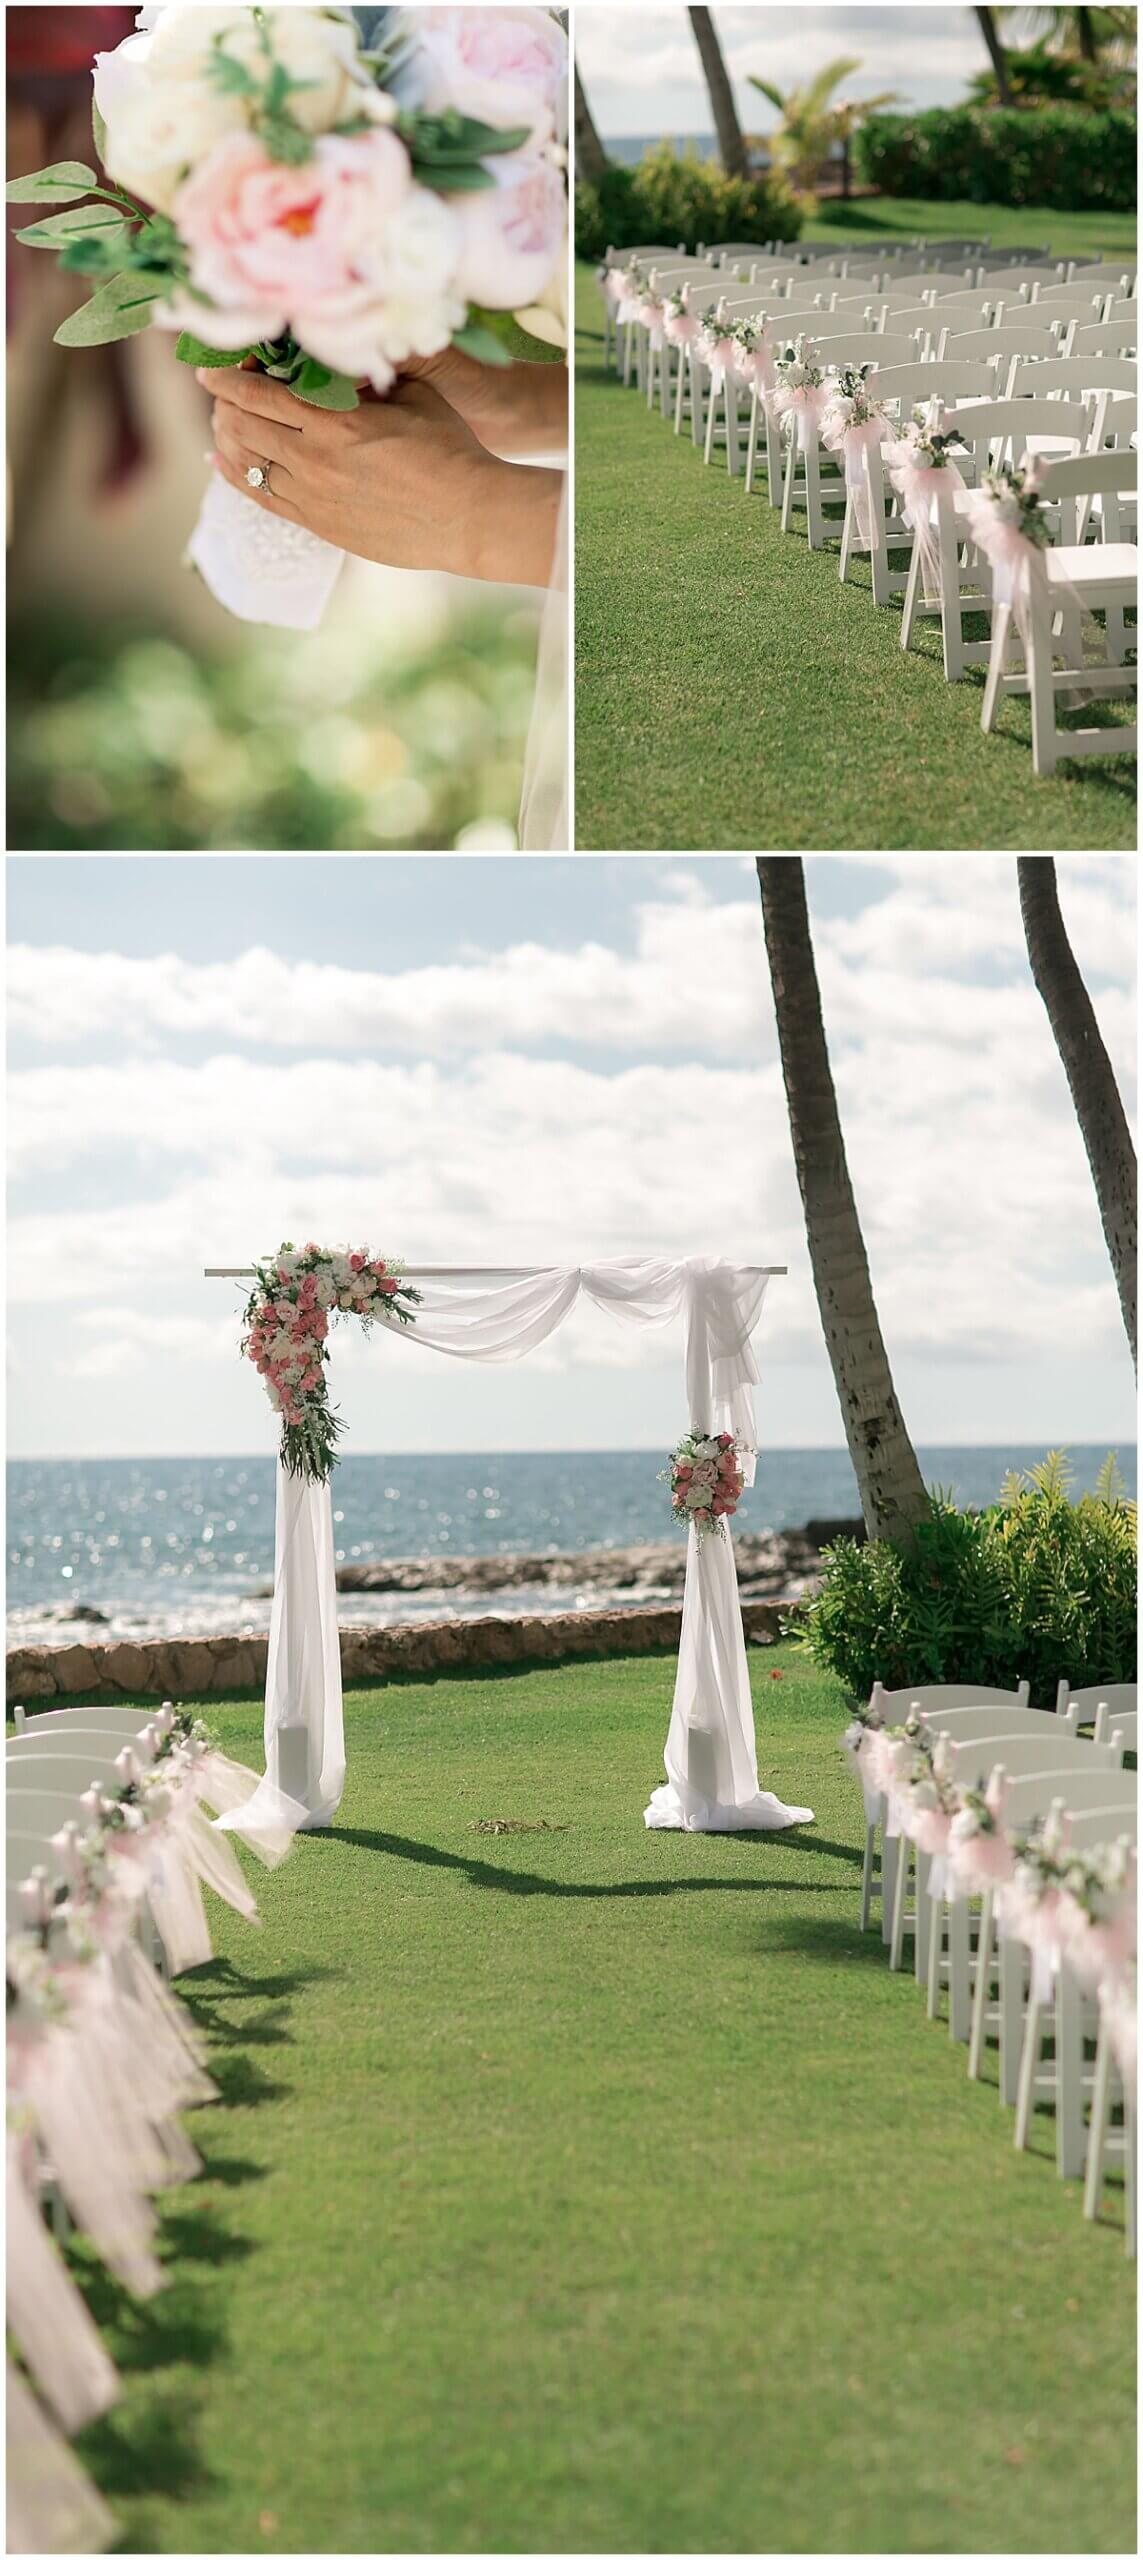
x=483, y=1314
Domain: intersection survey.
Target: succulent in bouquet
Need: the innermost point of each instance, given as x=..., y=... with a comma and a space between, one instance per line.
x=277, y=191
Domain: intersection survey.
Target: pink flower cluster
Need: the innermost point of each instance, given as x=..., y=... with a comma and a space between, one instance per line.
x=706, y=1480
x=290, y=1319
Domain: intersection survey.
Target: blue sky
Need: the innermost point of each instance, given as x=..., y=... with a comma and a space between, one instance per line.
x=642, y=72
x=499, y=1059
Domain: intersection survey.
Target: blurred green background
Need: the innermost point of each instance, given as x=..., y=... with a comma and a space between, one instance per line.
x=124, y=736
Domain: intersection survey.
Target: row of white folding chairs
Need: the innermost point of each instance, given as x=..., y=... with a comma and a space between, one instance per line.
x=1047, y=1764
x=50, y=1762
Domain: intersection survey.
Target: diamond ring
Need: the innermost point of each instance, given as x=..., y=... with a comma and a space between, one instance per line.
x=258, y=475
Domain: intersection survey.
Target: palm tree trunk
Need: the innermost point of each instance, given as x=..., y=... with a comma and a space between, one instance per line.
x=591, y=159
x=1085, y=30
x=987, y=23
x=893, y=1496
x=731, y=147
x=1090, y=1075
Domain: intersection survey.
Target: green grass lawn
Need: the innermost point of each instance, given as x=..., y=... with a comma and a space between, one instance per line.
x=733, y=694
x=1063, y=235
x=600, y=2190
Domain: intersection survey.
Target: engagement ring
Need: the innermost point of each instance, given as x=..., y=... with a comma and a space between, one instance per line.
x=259, y=475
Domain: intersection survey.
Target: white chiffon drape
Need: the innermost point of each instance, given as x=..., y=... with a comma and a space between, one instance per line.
x=711, y=1769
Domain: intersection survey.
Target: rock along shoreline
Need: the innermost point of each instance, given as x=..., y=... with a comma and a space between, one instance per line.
x=775, y=1570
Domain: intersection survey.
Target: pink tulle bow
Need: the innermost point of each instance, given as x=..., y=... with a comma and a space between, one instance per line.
x=680, y=328
x=918, y=484
x=804, y=406
x=855, y=444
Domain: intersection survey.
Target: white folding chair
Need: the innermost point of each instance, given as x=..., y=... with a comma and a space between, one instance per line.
x=811, y=476
x=128, y=1720
x=1075, y=377
x=893, y=1706
x=976, y=1755
x=1106, y=2080
x=1078, y=577
x=1065, y=2080
x=990, y=429
x=1100, y=338
x=1031, y=1793
x=790, y=322
x=1008, y=338
x=902, y=387
x=1113, y=1700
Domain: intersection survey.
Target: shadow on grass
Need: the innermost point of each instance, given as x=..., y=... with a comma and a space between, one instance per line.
x=148, y=2444
x=517, y=1880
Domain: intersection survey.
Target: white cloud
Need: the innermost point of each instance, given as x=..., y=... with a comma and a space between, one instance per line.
x=643, y=75
x=464, y=1141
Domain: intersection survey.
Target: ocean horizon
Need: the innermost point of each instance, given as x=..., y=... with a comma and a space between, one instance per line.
x=134, y=1547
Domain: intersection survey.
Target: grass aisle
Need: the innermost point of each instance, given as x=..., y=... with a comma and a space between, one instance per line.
x=732, y=693
x=586, y=2189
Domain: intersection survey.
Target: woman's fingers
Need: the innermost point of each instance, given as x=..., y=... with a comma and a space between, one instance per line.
x=254, y=439
x=256, y=395
x=275, y=505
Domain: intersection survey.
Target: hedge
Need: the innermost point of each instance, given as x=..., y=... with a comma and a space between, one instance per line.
x=1071, y=159
x=682, y=201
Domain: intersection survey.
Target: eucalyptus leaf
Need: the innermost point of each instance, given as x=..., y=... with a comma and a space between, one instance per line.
x=120, y=309
x=57, y=185
x=285, y=141
x=475, y=341
x=83, y=221
x=192, y=350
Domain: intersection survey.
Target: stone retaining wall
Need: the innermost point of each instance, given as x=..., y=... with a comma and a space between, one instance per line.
x=198, y=1667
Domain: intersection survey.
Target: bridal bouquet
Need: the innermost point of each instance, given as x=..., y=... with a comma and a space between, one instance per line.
x=287, y=1321
x=276, y=191
x=706, y=1480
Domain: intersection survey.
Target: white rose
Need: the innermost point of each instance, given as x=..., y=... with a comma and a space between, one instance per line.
x=156, y=128
x=547, y=318
x=317, y=46
x=1006, y=509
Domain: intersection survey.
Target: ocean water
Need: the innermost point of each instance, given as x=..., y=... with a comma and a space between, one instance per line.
x=165, y=1546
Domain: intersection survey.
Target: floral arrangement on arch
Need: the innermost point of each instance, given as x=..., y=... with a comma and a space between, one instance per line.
x=282, y=193
x=295, y=1297
x=706, y=1481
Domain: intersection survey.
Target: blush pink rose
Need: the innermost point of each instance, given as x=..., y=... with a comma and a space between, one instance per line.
x=274, y=247
x=512, y=234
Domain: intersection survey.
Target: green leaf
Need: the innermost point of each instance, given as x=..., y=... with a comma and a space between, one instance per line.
x=322, y=389
x=451, y=137
x=65, y=179
x=87, y=255
x=463, y=179
x=476, y=341
x=229, y=75
x=120, y=309
x=284, y=140
x=99, y=133
x=191, y=350
x=80, y=221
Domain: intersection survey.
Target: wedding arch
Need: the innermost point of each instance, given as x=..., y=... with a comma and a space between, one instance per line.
x=498, y=1314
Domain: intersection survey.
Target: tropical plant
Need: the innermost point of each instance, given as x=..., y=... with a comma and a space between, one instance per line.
x=986, y=21
x=893, y=1496
x=731, y=146
x=683, y=198
x=802, y=145
x=1037, y=1587
x=1089, y=1071
x=1041, y=72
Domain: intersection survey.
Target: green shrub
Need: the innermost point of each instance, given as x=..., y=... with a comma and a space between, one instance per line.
x=681, y=201
x=1070, y=158
x=1036, y=1588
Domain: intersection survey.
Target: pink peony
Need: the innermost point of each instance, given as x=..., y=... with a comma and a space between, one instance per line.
x=506, y=67
x=512, y=234
x=275, y=247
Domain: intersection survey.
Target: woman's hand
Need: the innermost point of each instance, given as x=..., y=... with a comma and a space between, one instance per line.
x=401, y=480
x=513, y=409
